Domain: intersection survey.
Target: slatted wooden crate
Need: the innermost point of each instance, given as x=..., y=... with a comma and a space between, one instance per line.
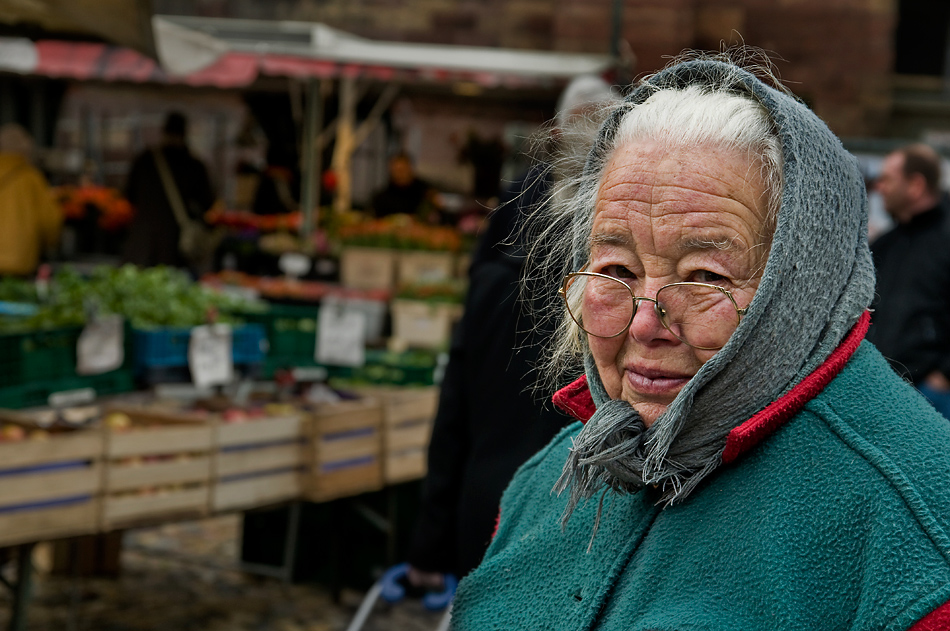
x=416, y=267
x=158, y=468
x=408, y=416
x=50, y=487
x=367, y=268
x=258, y=462
x=344, y=450
x=420, y=324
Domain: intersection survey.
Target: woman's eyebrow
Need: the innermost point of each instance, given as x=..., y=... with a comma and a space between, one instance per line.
x=615, y=239
x=724, y=243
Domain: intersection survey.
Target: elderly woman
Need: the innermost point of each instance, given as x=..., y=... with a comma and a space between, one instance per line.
x=746, y=461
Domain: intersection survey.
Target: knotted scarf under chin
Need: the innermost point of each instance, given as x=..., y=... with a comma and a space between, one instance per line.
x=611, y=454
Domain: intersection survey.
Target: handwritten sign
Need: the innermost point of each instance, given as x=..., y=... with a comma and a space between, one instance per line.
x=209, y=355
x=101, y=346
x=341, y=335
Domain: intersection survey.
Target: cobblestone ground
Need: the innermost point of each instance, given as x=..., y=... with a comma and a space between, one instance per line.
x=185, y=577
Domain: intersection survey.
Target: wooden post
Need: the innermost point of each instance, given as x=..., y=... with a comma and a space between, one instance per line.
x=310, y=195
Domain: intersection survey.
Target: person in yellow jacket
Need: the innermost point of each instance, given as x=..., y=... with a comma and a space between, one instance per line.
x=30, y=218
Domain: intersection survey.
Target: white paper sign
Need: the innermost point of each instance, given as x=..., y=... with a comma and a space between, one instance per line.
x=209, y=355
x=101, y=346
x=341, y=335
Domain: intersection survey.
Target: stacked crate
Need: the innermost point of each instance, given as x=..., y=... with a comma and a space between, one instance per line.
x=344, y=445
x=257, y=462
x=157, y=466
x=51, y=485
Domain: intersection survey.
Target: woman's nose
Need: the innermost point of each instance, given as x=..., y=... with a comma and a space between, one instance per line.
x=646, y=327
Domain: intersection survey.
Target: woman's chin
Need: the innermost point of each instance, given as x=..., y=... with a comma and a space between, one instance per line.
x=649, y=410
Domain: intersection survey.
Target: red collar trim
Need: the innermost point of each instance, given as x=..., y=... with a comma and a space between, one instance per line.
x=575, y=399
x=750, y=433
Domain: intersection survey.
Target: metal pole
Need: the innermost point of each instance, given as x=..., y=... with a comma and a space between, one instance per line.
x=310, y=195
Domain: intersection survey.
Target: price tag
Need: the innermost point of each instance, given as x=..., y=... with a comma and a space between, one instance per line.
x=101, y=346
x=341, y=335
x=209, y=355
x=294, y=264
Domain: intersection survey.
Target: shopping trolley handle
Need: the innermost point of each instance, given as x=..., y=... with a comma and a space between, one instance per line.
x=395, y=587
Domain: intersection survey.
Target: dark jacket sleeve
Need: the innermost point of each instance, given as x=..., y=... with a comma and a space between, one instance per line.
x=434, y=539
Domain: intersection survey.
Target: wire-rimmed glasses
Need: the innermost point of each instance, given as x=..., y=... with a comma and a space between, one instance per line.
x=698, y=314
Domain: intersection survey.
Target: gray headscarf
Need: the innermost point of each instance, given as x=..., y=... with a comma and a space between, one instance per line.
x=817, y=282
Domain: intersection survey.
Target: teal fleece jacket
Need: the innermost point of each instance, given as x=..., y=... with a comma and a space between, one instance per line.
x=831, y=512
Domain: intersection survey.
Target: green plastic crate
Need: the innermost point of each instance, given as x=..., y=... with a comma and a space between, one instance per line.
x=291, y=334
x=37, y=355
x=37, y=392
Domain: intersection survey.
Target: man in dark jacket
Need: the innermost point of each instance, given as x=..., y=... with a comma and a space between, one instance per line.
x=911, y=321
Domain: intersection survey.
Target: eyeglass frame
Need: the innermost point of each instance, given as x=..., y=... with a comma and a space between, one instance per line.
x=562, y=292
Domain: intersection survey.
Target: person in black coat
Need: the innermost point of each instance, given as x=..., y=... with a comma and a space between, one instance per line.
x=490, y=420
x=153, y=234
x=910, y=324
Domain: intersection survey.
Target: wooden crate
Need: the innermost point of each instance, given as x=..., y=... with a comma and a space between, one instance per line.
x=159, y=468
x=50, y=487
x=257, y=462
x=367, y=268
x=408, y=415
x=420, y=268
x=344, y=450
x=424, y=324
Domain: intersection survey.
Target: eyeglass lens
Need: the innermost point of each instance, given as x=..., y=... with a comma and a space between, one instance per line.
x=699, y=315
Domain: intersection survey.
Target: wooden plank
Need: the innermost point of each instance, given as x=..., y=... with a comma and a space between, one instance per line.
x=78, y=445
x=250, y=460
x=346, y=416
x=125, y=477
x=49, y=523
x=159, y=440
x=417, y=404
x=39, y=487
x=117, y=510
x=345, y=482
x=408, y=435
x=258, y=431
x=255, y=492
x=327, y=451
x=405, y=465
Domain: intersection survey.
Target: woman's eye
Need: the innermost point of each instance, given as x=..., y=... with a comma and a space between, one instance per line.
x=618, y=271
x=705, y=276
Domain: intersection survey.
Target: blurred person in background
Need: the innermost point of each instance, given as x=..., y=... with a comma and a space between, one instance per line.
x=278, y=188
x=911, y=321
x=406, y=193
x=30, y=218
x=154, y=232
x=489, y=421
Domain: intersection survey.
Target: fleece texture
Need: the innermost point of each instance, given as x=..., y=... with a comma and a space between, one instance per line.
x=839, y=519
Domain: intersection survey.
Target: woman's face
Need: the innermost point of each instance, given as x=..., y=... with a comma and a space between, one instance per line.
x=664, y=216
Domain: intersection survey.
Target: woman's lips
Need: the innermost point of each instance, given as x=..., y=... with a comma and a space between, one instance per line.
x=656, y=382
